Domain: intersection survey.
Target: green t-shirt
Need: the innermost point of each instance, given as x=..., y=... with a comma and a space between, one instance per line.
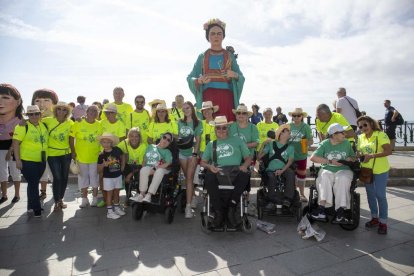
x=87, y=146
x=118, y=128
x=58, y=142
x=296, y=134
x=248, y=134
x=368, y=146
x=276, y=164
x=141, y=120
x=156, y=130
x=230, y=152
x=263, y=128
x=123, y=111
x=135, y=156
x=334, y=152
x=186, y=129
x=207, y=130
x=33, y=142
x=154, y=154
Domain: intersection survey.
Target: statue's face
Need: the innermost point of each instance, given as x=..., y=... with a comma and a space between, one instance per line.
x=45, y=105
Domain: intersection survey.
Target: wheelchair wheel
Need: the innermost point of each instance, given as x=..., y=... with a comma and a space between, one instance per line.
x=205, y=225
x=307, y=212
x=169, y=215
x=248, y=225
x=299, y=213
x=355, y=215
x=137, y=211
x=260, y=212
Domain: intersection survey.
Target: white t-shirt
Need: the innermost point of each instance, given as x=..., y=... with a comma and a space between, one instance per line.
x=346, y=109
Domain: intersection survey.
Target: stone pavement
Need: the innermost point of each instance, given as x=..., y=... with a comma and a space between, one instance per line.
x=83, y=241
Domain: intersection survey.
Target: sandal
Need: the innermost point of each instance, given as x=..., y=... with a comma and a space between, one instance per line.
x=62, y=205
x=3, y=199
x=15, y=199
x=57, y=207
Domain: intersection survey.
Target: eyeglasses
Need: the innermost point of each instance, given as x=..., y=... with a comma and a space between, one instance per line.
x=296, y=115
x=166, y=138
x=241, y=113
x=221, y=127
x=34, y=114
x=340, y=132
x=161, y=111
x=362, y=126
x=140, y=102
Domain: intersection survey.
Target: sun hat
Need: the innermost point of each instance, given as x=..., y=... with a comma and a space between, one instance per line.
x=280, y=129
x=209, y=104
x=334, y=128
x=157, y=102
x=298, y=110
x=242, y=108
x=110, y=108
x=161, y=106
x=33, y=109
x=219, y=121
x=63, y=104
x=109, y=136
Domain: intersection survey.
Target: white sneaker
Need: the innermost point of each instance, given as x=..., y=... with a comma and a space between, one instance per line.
x=119, y=211
x=194, y=202
x=94, y=202
x=188, y=212
x=147, y=198
x=112, y=215
x=85, y=202
x=137, y=198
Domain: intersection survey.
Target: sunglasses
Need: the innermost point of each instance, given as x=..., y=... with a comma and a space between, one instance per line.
x=241, y=113
x=34, y=114
x=161, y=111
x=61, y=109
x=166, y=138
x=362, y=126
x=296, y=115
x=340, y=132
x=140, y=102
x=221, y=127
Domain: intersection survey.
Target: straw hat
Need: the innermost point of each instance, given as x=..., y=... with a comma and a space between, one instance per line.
x=280, y=129
x=209, y=104
x=110, y=108
x=242, y=108
x=298, y=110
x=63, y=104
x=219, y=121
x=157, y=102
x=109, y=136
x=32, y=109
x=161, y=106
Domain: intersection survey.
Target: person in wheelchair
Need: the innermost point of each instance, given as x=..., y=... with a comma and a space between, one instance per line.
x=280, y=158
x=333, y=175
x=157, y=159
x=222, y=159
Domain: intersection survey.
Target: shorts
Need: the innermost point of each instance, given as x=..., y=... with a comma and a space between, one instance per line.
x=301, y=164
x=47, y=174
x=390, y=131
x=88, y=175
x=183, y=157
x=110, y=184
x=5, y=166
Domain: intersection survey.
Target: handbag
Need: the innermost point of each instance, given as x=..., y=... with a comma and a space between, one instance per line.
x=74, y=167
x=185, y=142
x=357, y=112
x=227, y=175
x=366, y=175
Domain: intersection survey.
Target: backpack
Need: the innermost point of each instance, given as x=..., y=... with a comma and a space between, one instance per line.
x=400, y=120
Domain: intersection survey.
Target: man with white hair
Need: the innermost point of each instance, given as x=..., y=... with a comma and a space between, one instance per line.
x=347, y=106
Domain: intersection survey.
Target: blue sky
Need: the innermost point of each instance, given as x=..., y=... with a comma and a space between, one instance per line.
x=292, y=53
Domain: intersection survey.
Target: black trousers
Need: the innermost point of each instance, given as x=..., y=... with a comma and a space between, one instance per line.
x=289, y=191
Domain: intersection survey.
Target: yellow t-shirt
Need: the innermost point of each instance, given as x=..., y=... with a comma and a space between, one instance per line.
x=368, y=146
x=58, y=142
x=263, y=128
x=87, y=146
x=123, y=111
x=33, y=141
x=322, y=127
x=175, y=114
x=118, y=128
x=207, y=130
x=135, y=156
x=155, y=130
x=141, y=120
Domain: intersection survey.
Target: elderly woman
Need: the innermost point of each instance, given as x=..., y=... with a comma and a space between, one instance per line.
x=161, y=124
x=189, y=127
x=85, y=149
x=11, y=109
x=111, y=123
x=216, y=76
x=30, y=150
x=333, y=175
x=281, y=156
x=207, y=110
x=59, y=152
x=224, y=156
x=374, y=145
x=157, y=159
x=301, y=138
x=265, y=126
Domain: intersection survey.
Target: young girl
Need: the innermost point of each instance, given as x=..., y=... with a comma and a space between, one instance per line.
x=111, y=163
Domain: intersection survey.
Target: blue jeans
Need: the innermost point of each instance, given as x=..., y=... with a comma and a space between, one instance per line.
x=59, y=166
x=377, y=196
x=32, y=172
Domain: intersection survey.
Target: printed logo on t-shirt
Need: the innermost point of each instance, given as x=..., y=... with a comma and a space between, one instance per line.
x=241, y=136
x=152, y=157
x=185, y=131
x=296, y=135
x=224, y=150
x=336, y=155
x=113, y=164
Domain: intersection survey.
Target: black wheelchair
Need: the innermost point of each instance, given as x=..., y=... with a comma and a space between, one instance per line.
x=352, y=214
x=246, y=224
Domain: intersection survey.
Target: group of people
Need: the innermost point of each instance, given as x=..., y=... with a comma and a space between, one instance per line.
x=112, y=142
